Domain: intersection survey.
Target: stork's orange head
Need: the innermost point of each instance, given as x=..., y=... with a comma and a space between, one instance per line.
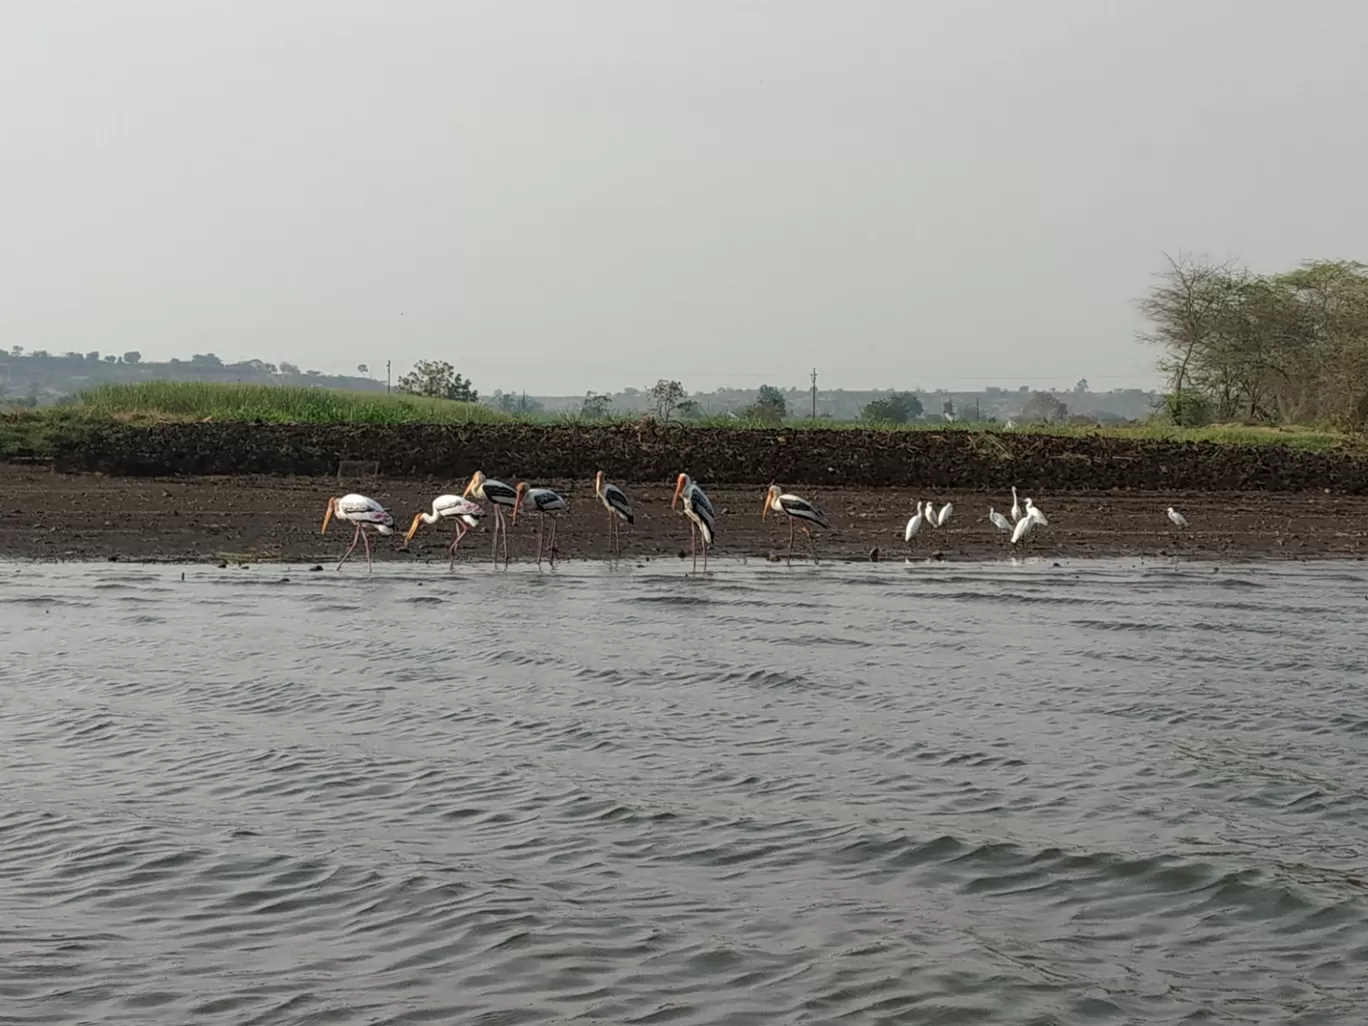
x=679, y=489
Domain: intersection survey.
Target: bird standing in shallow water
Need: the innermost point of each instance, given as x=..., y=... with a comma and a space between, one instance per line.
x=702, y=520
x=1179, y=521
x=1033, y=513
x=363, y=512
x=500, y=495
x=913, y=525
x=795, y=508
x=999, y=521
x=543, y=501
x=619, y=508
x=467, y=514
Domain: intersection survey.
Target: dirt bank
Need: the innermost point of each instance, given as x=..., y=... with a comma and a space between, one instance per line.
x=78, y=516
x=836, y=458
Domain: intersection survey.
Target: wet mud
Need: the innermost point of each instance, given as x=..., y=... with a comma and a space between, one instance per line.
x=236, y=519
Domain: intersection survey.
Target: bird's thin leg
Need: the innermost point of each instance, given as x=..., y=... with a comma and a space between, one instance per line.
x=355, y=538
x=366, y=542
x=693, y=544
x=541, y=526
x=790, y=551
x=505, y=543
x=813, y=542
x=460, y=533
x=555, y=521
x=704, y=539
x=498, y=519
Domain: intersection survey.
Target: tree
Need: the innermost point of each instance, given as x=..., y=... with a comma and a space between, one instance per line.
x=288, y=368
x=948, y=409
x=361, y=368
x=206, y=360
x=770, y=406
x=111, y=358
x=1044, y=408
x=132, y=356
x=1082, y=385
x=93, y=356
x=17, y=351
x=437, y=379
x=898, y=408
x=666, y=397
x=596, y=405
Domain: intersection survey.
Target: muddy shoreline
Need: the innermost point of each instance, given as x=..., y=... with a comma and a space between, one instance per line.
x=277, y=518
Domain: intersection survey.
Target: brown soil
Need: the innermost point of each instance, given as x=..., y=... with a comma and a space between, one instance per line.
x=829, y=458
x=89, y=516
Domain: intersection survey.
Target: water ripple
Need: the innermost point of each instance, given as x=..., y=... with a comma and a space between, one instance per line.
x=1104, y=792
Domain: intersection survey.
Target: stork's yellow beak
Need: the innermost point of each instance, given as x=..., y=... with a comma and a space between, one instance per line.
x=328, y=514
x=413, y=527
x=679, y=488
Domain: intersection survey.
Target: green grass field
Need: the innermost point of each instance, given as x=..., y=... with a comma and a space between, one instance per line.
x=195, y=400
x=163, y=401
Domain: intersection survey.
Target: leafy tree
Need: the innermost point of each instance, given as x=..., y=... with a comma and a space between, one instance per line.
x=1082, y=385
x=111, y=358
x=770, y=406
x=1044, y=408
x=596, y=405
x=93, y=356
x=17, y=351
x=132, y=357
x=437, y=379
x=288, y=368
x=361, y=368
x=206, y=360
x=898, y=408
x=667, y=397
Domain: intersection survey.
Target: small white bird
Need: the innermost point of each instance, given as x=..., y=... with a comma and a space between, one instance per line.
x=913, y=525
x=467, y=514
x=362, y=511
x=1033, y=513
x=1016, y=506
x=1178, y=519
x=1023, y=527
x=999, y=521
x=944, y=514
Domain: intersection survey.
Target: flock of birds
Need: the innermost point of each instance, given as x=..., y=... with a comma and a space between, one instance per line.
x=466, y=513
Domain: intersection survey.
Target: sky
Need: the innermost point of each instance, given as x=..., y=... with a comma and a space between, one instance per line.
x=557, y=197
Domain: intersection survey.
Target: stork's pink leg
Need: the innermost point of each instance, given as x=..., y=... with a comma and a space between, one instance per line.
x=460, y=533
x=355, y=538
x=366, y=542
x=693, y=544
x=705, y=550
x=505, y=542
x=813, y=542
x=790, y=552
x=554, y=522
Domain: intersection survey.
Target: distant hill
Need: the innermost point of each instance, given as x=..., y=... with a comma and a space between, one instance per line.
x=40, y=378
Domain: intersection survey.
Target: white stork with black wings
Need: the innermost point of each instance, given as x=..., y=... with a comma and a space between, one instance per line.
x=702, y=519
x=499, y=495
x=363, y=511
x=796, y=508
x=542, y=501
x=619, y=508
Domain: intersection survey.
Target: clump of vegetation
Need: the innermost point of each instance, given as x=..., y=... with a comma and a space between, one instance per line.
x=898, y=408
x=200, y=400
x=1263, y=349
x=437, y=379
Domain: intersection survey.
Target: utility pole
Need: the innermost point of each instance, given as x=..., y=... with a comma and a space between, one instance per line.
x=814, y=393
x=387, y=377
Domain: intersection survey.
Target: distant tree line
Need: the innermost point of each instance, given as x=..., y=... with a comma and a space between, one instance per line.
x=1262, y=348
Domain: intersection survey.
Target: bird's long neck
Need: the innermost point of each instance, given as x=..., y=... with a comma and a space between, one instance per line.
x=430, y=518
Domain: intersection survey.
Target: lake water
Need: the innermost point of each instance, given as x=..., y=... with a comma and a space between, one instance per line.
x=1103, y=792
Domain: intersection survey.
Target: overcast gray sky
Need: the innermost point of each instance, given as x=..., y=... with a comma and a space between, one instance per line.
x=560, y=195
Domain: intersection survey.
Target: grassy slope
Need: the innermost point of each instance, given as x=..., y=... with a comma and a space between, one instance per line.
x=38, y=430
